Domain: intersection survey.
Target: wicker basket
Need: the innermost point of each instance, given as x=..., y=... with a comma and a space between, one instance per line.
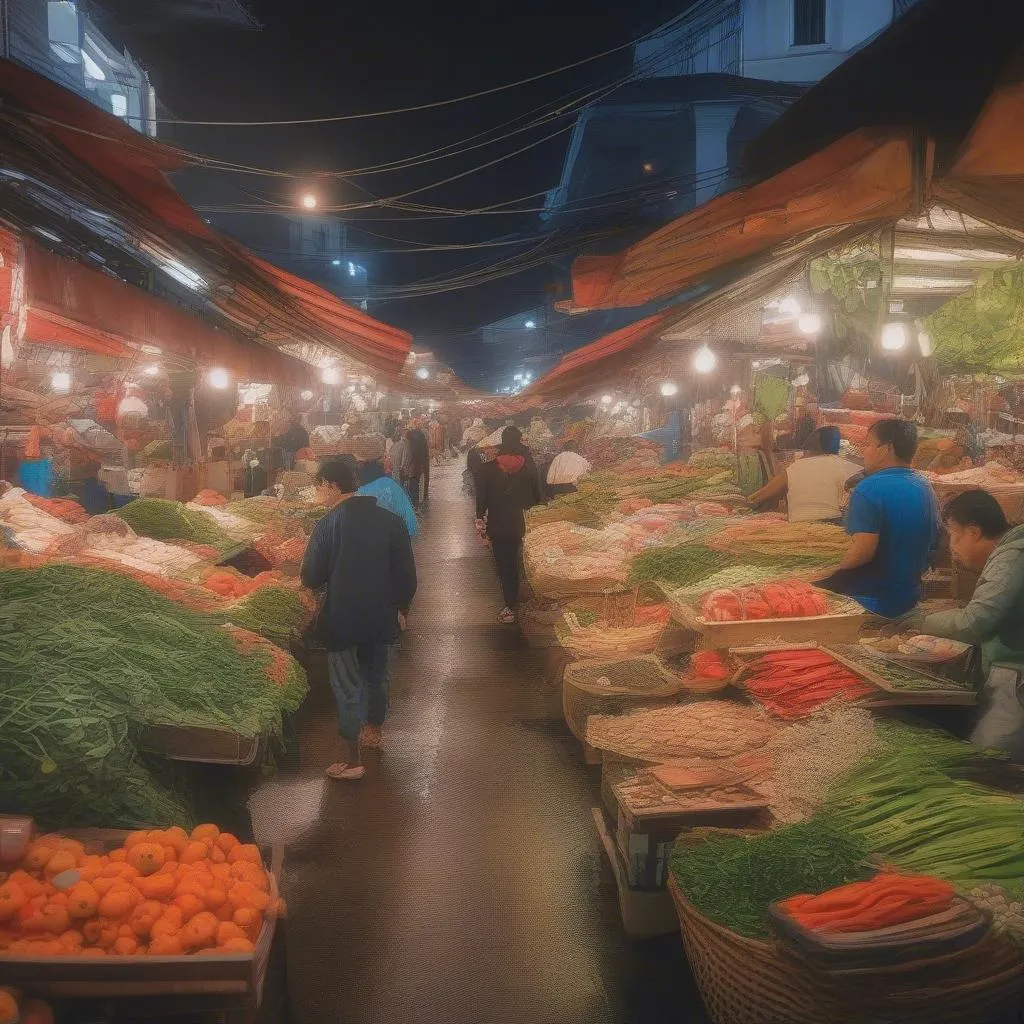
x=633, y=683
x=745, y=981
x=601, y=641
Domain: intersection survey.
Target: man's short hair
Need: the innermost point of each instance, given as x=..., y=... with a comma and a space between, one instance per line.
x=901, y=435
x=826, y=440
x=337, y=472
x=977, y=508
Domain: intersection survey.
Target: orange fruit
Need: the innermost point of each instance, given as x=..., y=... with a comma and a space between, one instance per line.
x=237, y=945
x=177, y=838
x=204, y=832
x=117, y=903
x=62, y=860
x=228, y=930
x=9, y=1013
x=12, y=899
x=189, y=904
x=146, y=858
x=124, y=946
x=93, y=951
x=249, y=920
x=142, y=836
x=38, y=854
x=226, y=842
x=199, y=932
x=91, y=867
x=72, y=939
x=169, y=922
x=156, y=887
x=26, y=883
x=214, y=897
x=193, y=883
x=165, y=945
x=119, y=856
x=83, y=901
x=193, y=853
x=144, y=916
x=246, y=852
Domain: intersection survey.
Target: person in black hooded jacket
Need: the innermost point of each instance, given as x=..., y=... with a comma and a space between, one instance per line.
x=506, y=487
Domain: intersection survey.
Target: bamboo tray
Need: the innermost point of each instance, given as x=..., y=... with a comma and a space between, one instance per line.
x=887, y=695
x=235, y=975
x=841, y=625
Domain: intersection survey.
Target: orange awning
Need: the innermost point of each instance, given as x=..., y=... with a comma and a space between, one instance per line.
x=591, y=364
x=867, y=176
x=83, y=308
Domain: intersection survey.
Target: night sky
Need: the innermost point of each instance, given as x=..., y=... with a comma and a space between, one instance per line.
x=316, y=59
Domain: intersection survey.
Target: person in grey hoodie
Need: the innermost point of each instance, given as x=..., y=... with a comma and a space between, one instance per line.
x=981, y=538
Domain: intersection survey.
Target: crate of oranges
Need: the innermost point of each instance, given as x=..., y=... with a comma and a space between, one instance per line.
x=97, y=913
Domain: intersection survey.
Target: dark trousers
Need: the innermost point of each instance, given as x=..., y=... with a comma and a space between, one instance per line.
x=506, y=558
x=360, y=678
x=412, y=488
x=557, y=489
x=426, y=481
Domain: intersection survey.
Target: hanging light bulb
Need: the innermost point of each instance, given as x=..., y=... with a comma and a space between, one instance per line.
x=669, y=388
x=61, y=381
x=894, y=336
x=306, y=395
x=330, y=375
x=924, y=342
x=705, y=360
x=809, y=323
x=606, y=399
x=152, y=370
x=132, y=405
x=423, y=373
x=735, y=389
x=790, y=306
x=219, y=378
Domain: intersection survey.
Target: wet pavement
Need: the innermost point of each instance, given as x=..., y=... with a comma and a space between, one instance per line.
x=462, y=879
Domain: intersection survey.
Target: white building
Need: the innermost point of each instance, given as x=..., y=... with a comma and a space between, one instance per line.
x=797, y=41
x=57, y=39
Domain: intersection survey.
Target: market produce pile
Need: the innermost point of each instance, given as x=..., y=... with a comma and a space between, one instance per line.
x=793, y=683
x=783, y=599
x=161, y=519
x=92, y=657
x=162, y=893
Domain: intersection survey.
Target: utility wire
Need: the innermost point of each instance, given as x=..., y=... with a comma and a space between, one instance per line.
x=336, y=119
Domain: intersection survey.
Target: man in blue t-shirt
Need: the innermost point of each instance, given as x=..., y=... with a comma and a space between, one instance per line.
x=893, y=523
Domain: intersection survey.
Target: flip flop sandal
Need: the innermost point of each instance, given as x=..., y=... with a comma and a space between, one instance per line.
x=346, y=772
x=508, y=617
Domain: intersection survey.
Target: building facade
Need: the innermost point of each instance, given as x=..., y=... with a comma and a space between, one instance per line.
x=60, y=40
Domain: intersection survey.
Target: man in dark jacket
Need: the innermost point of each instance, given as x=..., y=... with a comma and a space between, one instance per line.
x=507, y=487
x=361, y=554
x=419, y=451
x=293, y=440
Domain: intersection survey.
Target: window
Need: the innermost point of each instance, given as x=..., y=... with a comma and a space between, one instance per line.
x=119, y=104
x=62, y=28
x=808, y=22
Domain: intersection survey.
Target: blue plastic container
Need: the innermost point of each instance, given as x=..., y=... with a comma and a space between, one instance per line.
x=36, y=476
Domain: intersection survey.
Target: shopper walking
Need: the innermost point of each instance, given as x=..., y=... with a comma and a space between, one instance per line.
x=505, y=488
x=419, y=450
x=401, y=456
x=435, y=439
x=360, y=555
x=374, y=481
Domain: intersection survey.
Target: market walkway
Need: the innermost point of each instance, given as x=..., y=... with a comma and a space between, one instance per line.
x=461, y=881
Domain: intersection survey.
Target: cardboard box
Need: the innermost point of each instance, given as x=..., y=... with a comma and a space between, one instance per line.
x=645, y=857
x=182, y=484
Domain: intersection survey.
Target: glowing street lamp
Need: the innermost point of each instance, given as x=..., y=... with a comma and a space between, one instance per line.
x=309, y=201
x=894, y=336
x=705, y=360
x=219, y=378
x=669, y=388
x=330, y=375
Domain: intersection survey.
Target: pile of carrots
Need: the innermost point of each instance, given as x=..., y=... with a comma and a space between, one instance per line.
x=233, y=585
x=886, y=900
x=64, y=509
x=208, y=497
x=795, y=683
x=163, y=893
x=709, y=665
x=278, y=550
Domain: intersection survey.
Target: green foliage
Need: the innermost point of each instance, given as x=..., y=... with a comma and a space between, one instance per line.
x=853, y=285
x=982, y=331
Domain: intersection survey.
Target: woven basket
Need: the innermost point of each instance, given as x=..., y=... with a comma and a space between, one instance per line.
x=635, y=683
x=745, y=981
x=610, y=641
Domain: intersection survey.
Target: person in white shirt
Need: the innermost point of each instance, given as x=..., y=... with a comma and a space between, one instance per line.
x=814, y=485
x=566, y=469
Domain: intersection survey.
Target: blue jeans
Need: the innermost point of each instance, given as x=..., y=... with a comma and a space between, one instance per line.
x=360, y=678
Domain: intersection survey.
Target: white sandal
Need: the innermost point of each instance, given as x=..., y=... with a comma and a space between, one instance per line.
x=346, y=772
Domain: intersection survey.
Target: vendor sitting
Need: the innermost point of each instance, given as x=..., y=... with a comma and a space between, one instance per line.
x=566, y=469
x=980, y=538
x=893, y=523
x=813, y=486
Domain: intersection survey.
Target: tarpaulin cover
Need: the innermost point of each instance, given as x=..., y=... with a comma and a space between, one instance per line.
x=864, y=177
x=45, y=327
x=590, y=364
x=284, y=306
x=86, y=303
